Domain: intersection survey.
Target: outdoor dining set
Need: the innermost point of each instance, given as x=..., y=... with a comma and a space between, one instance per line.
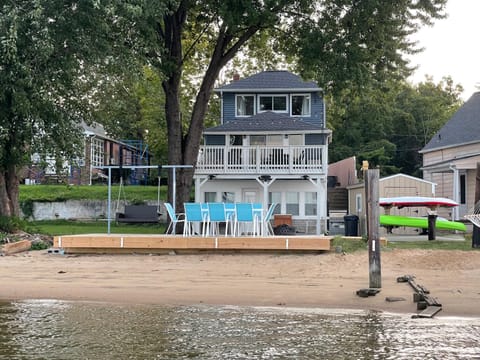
x=206, y=219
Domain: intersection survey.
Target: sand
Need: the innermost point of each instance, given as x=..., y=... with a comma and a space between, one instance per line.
x=327, y=280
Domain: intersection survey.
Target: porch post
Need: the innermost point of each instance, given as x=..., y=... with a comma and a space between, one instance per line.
x=456, y=193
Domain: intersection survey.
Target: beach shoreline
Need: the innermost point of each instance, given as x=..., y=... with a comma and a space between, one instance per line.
x=326, y=280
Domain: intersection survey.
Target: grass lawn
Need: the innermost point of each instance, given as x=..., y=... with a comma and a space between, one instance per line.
x=50, y=193
x=355, y=245
x=65, y=227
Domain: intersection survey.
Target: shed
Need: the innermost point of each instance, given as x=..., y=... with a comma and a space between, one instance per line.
x=391, y=186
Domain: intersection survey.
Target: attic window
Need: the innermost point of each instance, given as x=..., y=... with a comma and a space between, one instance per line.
x=300, y=105
x=276, y=103
x=245, y=105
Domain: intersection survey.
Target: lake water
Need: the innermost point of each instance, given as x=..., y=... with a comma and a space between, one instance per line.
x=75, y=330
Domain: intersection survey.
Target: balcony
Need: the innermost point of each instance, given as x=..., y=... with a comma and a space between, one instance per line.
x=278, y=160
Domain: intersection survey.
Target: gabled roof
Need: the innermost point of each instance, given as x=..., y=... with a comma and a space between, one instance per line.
x=265, y=121
x=272, y=80
x=461, y=129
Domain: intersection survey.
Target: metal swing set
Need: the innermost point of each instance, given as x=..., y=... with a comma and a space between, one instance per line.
x=159, y=167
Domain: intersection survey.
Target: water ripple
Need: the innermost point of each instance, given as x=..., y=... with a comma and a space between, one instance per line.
x=75, y=330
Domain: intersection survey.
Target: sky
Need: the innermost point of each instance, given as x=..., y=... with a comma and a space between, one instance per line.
x=452, y=47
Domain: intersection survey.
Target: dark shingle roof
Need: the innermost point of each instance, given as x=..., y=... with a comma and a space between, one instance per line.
x=279, y=80
x=462, y=128
x=265, y=121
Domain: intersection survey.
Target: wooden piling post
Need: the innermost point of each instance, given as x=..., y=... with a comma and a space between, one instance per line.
x=432, y=219
x=373, y=226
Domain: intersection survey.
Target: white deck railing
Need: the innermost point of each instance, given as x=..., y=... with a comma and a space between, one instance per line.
x=261, y=160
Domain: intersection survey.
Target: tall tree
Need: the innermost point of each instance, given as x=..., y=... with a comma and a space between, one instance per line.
x=50, y=52
x=420, y=111
x=338, y=42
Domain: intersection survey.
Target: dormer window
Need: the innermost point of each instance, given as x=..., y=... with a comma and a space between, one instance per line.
x=275, y=103
x=300, y=105
x=245, y=105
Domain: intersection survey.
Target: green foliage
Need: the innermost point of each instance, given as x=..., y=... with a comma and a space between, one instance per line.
x=51, y=55
x=10, y=224
x=27, y=208
x=39, y=245
x=389, y=125
x=348, y=44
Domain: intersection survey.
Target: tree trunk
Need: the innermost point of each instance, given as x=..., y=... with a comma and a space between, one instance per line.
x=172, y=36
x=184, y=150
x=9, y=189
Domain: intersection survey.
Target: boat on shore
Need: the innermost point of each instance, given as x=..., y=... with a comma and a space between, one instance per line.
x=421, y=222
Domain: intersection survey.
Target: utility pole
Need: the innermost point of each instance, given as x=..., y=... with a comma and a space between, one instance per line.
x=373, y=226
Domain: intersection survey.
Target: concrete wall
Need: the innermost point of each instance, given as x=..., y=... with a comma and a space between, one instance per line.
x=81, y=210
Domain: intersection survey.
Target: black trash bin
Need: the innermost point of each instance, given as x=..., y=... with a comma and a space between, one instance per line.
x=351, y=225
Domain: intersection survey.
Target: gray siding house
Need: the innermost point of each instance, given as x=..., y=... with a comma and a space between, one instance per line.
x=271, y=146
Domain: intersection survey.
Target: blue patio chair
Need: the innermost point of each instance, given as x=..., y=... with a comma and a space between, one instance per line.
x=174, y=218
x=230, y=214
x=244, y=215
x=216, y=215
x=257, y=209
x=194, y=215
x=268, y=217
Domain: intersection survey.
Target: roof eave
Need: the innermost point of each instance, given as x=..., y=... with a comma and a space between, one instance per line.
x=255, y=90
x=423, y=151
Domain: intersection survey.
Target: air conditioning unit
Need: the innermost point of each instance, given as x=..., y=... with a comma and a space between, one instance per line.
x=113, y=161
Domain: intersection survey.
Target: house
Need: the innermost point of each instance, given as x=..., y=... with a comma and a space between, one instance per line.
x=450, y=158
x=271, y=147
x=391, y=186
x=99, y=150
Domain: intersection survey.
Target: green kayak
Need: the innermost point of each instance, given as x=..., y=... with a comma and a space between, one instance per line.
x=420, y=222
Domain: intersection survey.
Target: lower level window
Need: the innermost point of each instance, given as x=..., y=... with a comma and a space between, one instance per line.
x=310, y=203
x=210, y=196
x=292, y=203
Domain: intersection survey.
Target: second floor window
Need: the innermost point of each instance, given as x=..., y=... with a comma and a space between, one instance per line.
x=300, y=105
x=245, y=105
x=277, y=103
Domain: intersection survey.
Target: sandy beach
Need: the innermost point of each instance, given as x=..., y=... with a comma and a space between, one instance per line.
x=327, y=280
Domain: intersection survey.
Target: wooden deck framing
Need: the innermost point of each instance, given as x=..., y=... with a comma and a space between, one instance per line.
x=118, y=243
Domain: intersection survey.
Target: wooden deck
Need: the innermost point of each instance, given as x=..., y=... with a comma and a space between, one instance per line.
x=118, y=243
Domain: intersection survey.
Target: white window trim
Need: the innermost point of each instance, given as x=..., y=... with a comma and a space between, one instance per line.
x=273, y=95
x=309, y=103
x=254, y=105
x=358, y=203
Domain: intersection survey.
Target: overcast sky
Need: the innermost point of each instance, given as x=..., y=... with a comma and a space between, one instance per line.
x=452, y=47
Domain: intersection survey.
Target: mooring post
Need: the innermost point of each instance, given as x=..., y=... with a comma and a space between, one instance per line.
x=432, y=219
x=476, y=229
x=373, y=226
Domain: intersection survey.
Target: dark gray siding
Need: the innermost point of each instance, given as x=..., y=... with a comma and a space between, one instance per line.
x=228, y=107
x=317, y=109
x=315, y=139
x=215, y=140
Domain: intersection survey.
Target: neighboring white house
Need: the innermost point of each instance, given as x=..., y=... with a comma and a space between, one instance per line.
x=271, y=147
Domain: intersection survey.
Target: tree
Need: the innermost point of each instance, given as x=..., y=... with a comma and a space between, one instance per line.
x=421, y=111
x=50, y=51
x=338, y=42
